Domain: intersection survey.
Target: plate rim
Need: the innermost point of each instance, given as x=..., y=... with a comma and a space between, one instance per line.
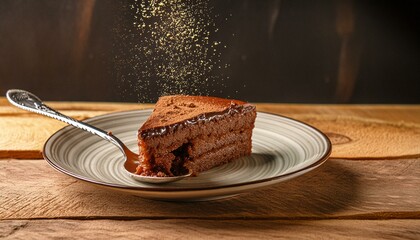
x=317, y=163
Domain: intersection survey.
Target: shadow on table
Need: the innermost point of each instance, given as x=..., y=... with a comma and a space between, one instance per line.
x=324, y=192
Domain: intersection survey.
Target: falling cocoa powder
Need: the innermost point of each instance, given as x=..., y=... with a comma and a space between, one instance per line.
x=174, y=50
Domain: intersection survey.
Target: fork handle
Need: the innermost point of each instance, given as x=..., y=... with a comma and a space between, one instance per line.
x=29, y=102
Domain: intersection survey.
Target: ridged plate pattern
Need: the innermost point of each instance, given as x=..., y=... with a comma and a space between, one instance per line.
x=282, y=148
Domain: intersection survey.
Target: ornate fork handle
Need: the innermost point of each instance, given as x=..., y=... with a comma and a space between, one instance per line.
x=30, y=102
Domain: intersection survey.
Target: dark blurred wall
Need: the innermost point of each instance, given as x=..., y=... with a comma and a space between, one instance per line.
x=278, y=51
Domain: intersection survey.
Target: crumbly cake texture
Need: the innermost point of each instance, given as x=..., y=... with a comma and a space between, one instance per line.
x=191, y=134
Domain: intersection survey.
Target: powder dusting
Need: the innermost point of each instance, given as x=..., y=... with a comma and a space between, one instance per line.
x=172, y=49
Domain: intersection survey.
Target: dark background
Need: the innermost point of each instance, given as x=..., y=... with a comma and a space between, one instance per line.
x=291, y=51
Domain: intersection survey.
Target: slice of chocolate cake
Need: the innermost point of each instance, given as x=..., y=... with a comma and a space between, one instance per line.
x=191, y=134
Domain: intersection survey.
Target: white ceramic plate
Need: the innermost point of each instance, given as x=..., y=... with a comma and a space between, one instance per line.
x=282, y=148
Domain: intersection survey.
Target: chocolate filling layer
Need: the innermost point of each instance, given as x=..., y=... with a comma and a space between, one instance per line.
x=206, y=117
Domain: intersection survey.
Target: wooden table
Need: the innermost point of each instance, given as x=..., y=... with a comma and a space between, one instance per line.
x=369, y=188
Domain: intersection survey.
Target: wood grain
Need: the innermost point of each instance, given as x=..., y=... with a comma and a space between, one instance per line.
x=392, y=113
x=24, y=134
x=361, y=131
x=207, y=229
x=342, y=199
x=361, y=138
x=357, y=132
x=338, y=189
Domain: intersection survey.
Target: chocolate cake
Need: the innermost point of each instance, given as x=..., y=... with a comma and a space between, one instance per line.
x=191, y=134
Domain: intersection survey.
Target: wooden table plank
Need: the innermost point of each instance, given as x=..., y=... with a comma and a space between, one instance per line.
x=361, y=131
x=210, y=229
x=387, y=112
x=338, y=189
x=24, y=134
x=364, y=138
x=356, y=194
x=357, y=132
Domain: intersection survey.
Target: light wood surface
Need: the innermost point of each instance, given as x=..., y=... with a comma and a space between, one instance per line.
x=368, y=189
x=208, y=229
x=337, y=189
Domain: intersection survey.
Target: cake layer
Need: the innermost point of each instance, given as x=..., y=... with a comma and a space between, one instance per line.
x=200, y=145
x=216, y=127
x=197, y=149
x=218, y=157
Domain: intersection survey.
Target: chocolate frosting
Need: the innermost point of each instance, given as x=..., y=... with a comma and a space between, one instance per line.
x=172, y=112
